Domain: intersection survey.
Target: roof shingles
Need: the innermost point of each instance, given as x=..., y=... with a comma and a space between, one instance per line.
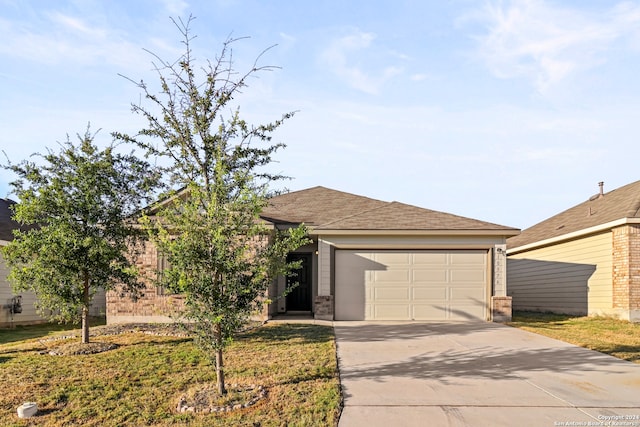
x=327, y=209
x=623, y=202
x=7, y=224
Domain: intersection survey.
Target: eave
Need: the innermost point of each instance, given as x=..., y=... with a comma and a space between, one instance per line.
x=404, y=232
x=574, y=235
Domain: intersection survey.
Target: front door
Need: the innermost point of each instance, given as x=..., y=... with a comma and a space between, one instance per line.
x=299, y=299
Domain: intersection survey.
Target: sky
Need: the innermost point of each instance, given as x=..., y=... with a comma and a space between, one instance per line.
x=502, y=111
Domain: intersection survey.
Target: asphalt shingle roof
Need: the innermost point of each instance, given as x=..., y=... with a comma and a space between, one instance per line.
x=623, y=202
x=7, y=225
x=326, y=209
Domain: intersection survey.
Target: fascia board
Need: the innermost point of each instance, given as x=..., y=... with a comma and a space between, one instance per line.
x=328, y=232
x=574, y=235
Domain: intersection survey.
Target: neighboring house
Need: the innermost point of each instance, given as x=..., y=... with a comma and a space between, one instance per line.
x=29, y=313
x=370, y=260
x=584, y=261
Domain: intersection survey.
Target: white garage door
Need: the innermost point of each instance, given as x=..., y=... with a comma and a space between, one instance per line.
x=410, y=285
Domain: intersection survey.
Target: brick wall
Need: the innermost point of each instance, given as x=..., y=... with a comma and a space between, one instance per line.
x=152, y=305
x=626, y=267
x=501, y=310
x=323, y=307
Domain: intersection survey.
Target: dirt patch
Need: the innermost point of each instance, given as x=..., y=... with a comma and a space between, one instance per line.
x=205, y=399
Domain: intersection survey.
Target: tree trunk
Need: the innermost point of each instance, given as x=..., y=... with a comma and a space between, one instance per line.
x=85, y=325
x=219, y=361
x=85, y=310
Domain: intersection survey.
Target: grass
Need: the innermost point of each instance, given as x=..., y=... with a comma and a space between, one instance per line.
x=20, y=332
x=619, y=338
x=141, y=381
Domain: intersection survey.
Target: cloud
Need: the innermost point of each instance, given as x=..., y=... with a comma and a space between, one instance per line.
x=65, y=39
x=547, y=44
x=76, y=25
x=419, y=77
x=175, y=8
x=338, y=57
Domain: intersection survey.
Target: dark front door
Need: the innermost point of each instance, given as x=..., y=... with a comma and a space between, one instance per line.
x=299, y=299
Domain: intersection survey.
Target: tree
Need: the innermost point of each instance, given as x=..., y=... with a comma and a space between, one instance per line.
x=77, y=207
x=221, y=255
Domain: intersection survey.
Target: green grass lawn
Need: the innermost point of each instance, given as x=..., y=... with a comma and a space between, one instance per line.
x=141, y=381
x=618, y=338
x=20, y=333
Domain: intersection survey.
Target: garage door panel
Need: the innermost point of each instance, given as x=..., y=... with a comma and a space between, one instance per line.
x=429, y=258
x=471, y=275
x=466, y=293
x=352, y=272
x=391, y=311
x=430, y=276
x=432, y=293
x=398, y=293
x=393, y=258
x=429, y=312
x=467, y=312
x=466, y=258
x=391, y=276
x=411, y=285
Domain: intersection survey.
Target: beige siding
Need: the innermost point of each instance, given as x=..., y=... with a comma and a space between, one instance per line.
x=572, y=277
x=28, y=315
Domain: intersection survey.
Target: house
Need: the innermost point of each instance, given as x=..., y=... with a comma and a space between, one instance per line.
x=370, y=260
x=28, y=299
x=583, y=261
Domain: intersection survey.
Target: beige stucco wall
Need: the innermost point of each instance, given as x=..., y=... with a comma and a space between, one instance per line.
x=573, y=277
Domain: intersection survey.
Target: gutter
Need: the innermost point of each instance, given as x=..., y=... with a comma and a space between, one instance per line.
x=368, y=232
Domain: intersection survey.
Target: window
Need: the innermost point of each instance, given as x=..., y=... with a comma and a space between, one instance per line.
x=163, y=264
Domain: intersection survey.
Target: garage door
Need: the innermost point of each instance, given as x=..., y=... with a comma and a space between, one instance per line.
x=410, y=285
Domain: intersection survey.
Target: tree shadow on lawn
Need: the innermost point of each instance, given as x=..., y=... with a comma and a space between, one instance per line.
x=129, y=341
x=42, y=330
x=626, y=352
x=308, y=333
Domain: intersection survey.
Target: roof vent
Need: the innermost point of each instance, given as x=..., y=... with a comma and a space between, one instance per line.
x=600, y=194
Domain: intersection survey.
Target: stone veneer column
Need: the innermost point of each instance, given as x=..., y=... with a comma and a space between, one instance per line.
x=323, y=307
x=501, y=309
x=501, y=304
x=626, y=270
x=323, y=303
x=500, y=270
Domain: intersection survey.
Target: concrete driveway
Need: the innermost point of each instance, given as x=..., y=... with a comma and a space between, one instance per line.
x=478, y=374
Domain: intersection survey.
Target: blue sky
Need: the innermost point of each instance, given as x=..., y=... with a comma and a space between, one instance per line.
x=504, y=111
